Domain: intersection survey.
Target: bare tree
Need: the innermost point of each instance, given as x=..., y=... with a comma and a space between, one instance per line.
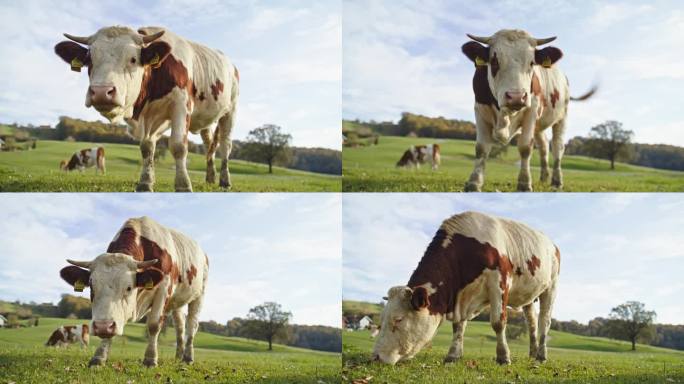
x=630, y=321
x=609, y=141
x=268, y=320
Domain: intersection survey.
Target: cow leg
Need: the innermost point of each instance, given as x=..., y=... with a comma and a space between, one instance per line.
x=210, y=148
x=101, y=353
x=179, y=323
x=191, y=328
x=525, y=147
x=531, y=318
x=225, y=127
x=456, y=349
x=476, y=179
x=498, y=299
x=154, y=325
x=543, y=145
x=546, y=300
x=147, y=147
x=557, y=149
x=178, y=143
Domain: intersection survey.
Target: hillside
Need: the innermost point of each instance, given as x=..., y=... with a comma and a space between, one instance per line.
x=23, y=358
x=373, y=168
x=38, y=171
x=572, y=359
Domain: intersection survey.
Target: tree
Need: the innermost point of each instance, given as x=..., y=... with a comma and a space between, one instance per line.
x=610, y=141
x=630, y=321
x=268, y=144
x=268, y=320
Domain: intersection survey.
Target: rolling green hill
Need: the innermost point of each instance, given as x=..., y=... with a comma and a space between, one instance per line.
x=25, y=359
x=572, y=359
x=373, y=168
x=38, y=171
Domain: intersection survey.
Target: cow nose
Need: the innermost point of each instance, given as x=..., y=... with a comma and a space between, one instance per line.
x=104, y=328
x=516, y=98
x=102, y=95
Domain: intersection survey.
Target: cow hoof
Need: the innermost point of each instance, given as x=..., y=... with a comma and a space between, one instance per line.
x=210, y=179
x=541, y=359
x=472, y=187
x=94, y=362
x=225, y=184
x=149, y=363
x=187, y=360
x=451, y=359
x=503, y=360
x=183, y=189
x=557, y=184
x=524, y=188
x=144, y=188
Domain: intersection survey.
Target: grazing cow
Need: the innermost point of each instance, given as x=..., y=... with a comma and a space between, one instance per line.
x=418, y=154
x=154, y=79
x=474, y=261
x=148, y=270
x=69, y=334
x=518, y=90
x=85, y=158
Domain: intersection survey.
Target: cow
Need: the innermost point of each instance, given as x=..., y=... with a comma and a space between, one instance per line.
x=154, y=79
x=518, y=90
x=475, y=261
x=85, y=158
x=147, y=270
x=418, y=154
x=69, y=334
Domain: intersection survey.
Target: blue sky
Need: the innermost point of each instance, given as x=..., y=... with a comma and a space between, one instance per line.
x=288, y=53
x=406, y=56
x=261, y=247
x=614, y=247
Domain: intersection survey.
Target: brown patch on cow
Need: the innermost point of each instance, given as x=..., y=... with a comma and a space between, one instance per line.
x=194, y=90
x=85, y=330
x=201, y=96
x=483, y=94
x=159, y=82
x=216, y=89
x=454, y=267
x=405, y=158
x=420, y=298
x=56, y=337
x=191, y=273
x=537, y=89
x=85, y=155
x=494, y=65
x=533, y=264
x=100, y=153
x=73, y=162
x=554, y=97
x=140, y=248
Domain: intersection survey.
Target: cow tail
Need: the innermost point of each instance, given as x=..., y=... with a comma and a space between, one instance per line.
x=586, y=95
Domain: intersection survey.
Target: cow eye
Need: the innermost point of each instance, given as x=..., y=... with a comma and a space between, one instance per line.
x=132, y=60
x=128, y=289
x=531, y=63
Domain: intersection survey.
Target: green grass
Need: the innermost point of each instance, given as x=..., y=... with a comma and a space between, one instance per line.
x=373, y=169
x=38, y=171
x=25, y=359
x=572, y=359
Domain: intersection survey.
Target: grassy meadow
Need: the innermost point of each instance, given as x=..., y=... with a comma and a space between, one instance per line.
x=372, y=168
x=38, y=171
x=572, y=359
x=218, y=359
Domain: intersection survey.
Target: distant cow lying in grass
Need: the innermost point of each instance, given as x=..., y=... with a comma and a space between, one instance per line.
x=418, y=154
x=69, y=334
x=85, y=158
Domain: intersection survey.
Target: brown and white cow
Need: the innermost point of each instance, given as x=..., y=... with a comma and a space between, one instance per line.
x=69, y=334
x=148, y=270
x=474, y=262
x=154, y=79
x=518, y=90
x=85, y=158
x=419, y=154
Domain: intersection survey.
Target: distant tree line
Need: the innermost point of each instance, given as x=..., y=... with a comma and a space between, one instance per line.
x=412, y=124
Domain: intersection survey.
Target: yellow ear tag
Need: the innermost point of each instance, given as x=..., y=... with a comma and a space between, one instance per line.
x=76, y=64
x=479, y=62
x=78, y=286
x=155, y=60
x=149, y=284
x=547, y=62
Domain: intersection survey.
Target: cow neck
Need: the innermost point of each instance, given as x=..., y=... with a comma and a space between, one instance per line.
x=159, y=82
x=449, y=269
x=483, y=94
x=141, y=249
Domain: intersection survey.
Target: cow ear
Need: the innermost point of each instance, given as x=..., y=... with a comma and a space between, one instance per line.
x=75, y=276
x=148, y=278
x=476, y=52
x=74, y=54
x=420, y=298
x=155, y=53
x=547, y=56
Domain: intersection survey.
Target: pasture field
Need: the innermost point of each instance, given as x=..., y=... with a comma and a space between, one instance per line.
x=572, y=359
x=372, y=168
x=25, y=359
x=38, y=171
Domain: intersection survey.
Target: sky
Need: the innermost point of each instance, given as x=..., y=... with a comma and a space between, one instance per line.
x=614, y=247
x=288, y=53
x=405, y=55
x=261, y=247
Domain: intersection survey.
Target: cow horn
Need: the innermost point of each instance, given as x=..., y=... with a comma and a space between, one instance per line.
x=481, y=39
x=78, y=39
x=150, y=38
x=146, y=263
x=545, y=41
x=82, y=264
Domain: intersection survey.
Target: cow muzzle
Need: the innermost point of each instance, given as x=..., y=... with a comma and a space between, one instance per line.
x=105, y=329
x=102, y=97
x=515, y=100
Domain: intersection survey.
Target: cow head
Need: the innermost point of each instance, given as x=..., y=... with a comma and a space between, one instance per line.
x=113, y=279
x=117, y=58
x=406, y=325
x=510, y=56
